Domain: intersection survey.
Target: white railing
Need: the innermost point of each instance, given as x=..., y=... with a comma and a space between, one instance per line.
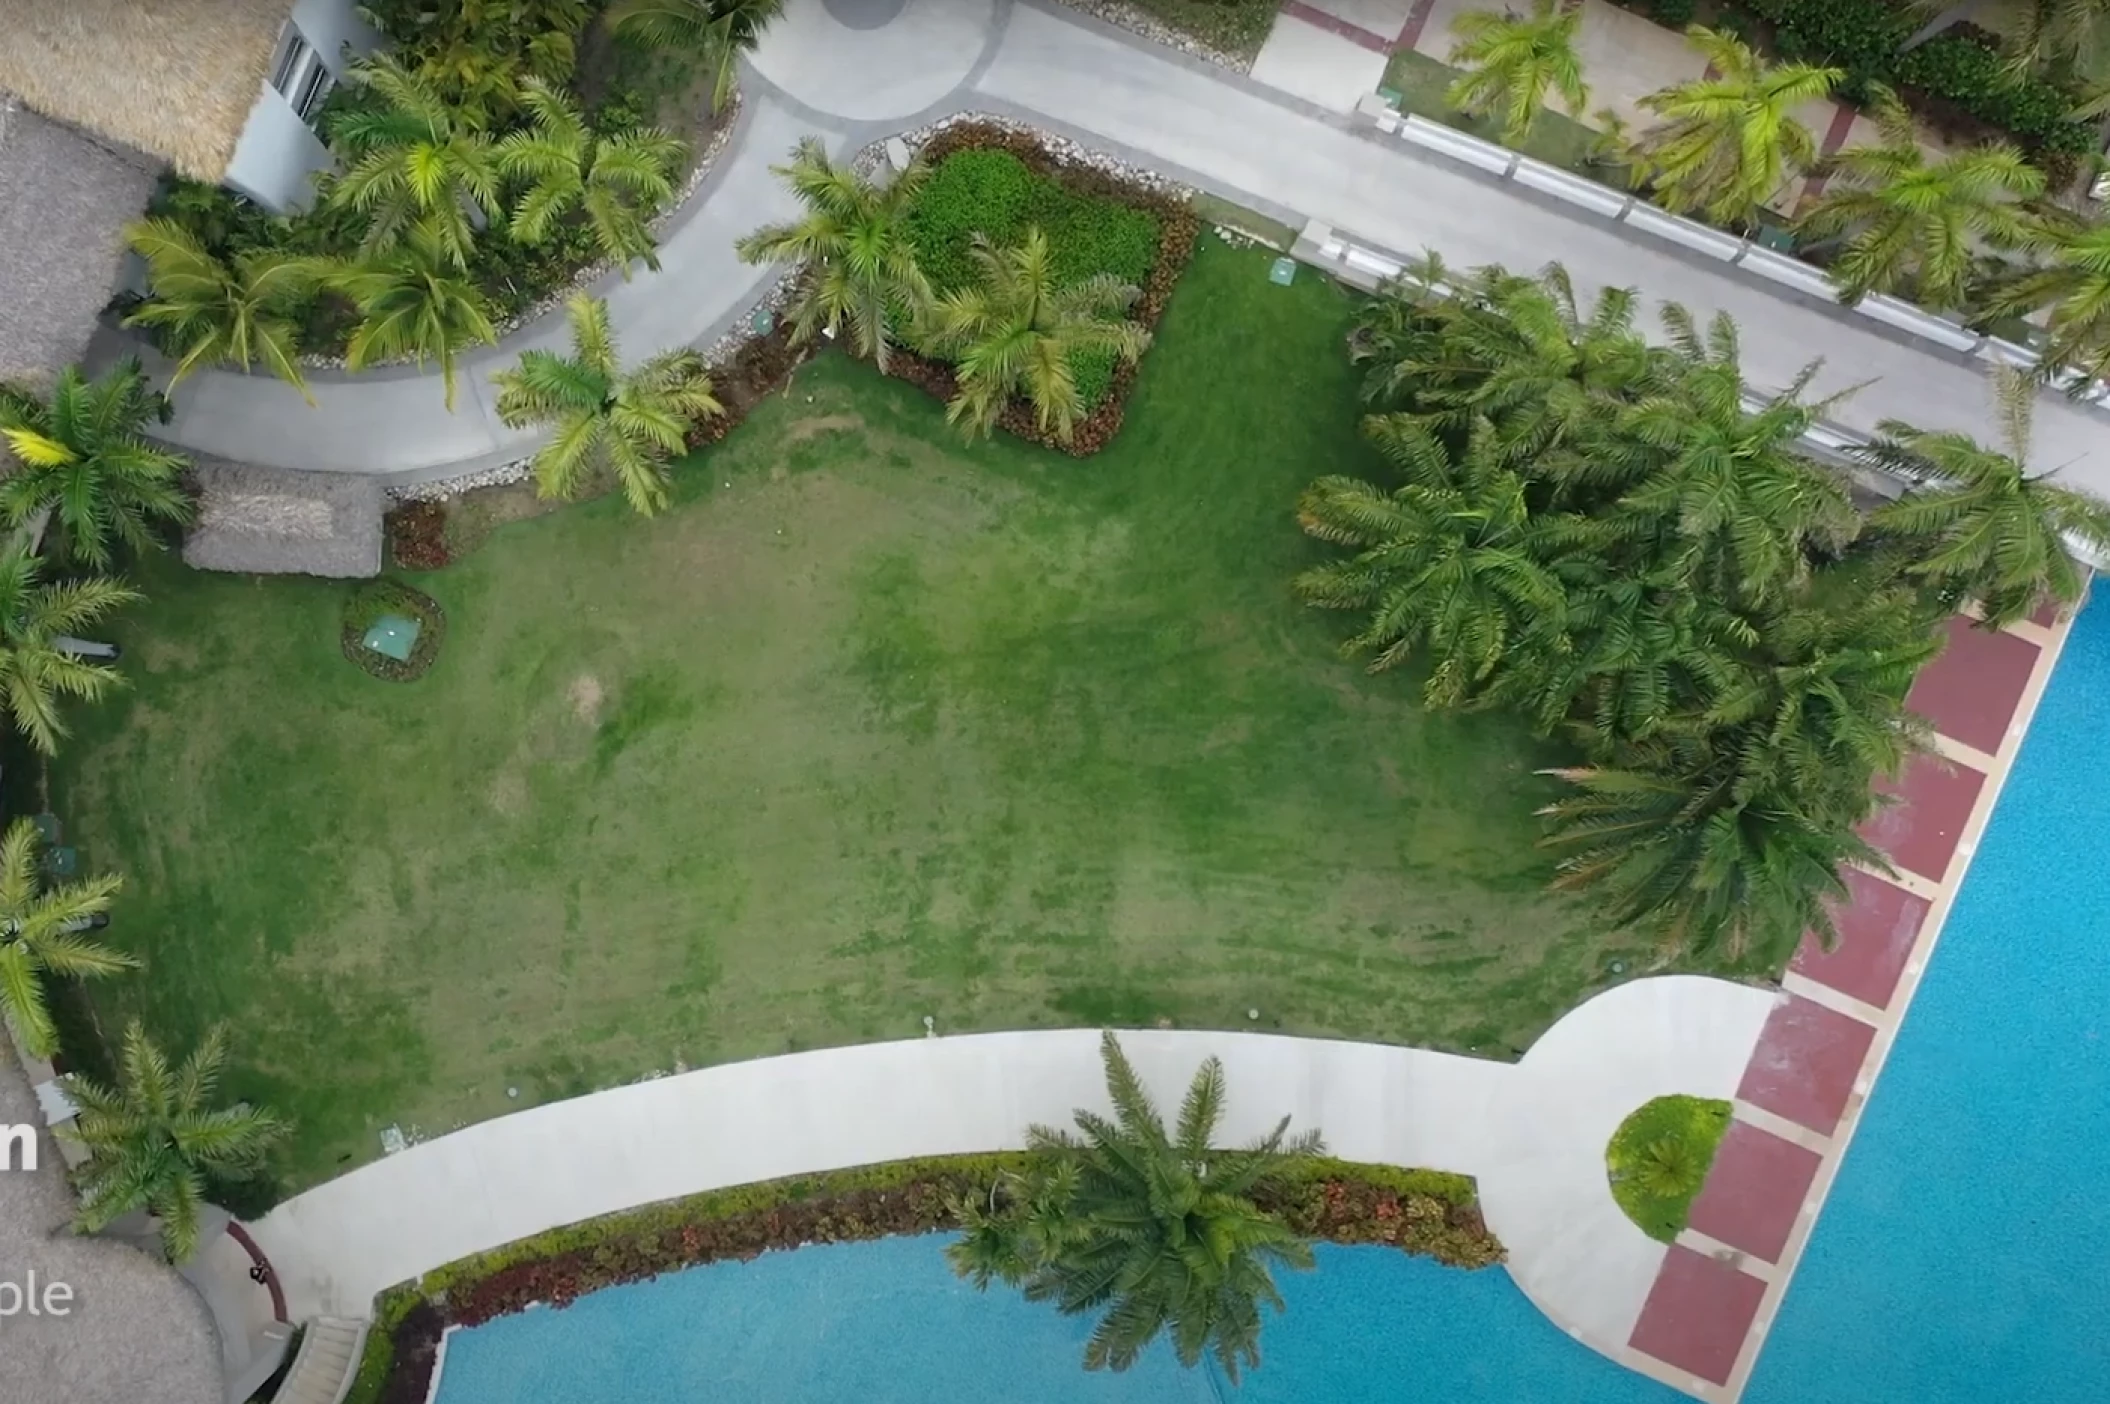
x=1621, y=207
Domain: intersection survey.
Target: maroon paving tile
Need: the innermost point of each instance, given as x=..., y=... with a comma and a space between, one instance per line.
x=2047, y=614
x=1919, y=830
x=1754, y=1190
x=1805, y=1064
x=1972, y=690
x=1697, y=1314
x=1334, y=24
x=1877, y=924
x=1417, y=20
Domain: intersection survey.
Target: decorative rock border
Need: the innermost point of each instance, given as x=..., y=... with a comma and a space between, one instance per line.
x=1138, y=21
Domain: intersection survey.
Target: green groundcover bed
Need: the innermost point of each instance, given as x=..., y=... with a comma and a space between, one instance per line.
x=1659, y=1157
x=872, y=725
x=992, y=193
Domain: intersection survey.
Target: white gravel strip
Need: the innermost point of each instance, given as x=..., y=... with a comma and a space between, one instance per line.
x=1137, y=21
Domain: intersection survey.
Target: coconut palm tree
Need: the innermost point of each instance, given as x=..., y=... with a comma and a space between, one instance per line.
x=1155, y=1228
x=1514, y=62
x=155, y=1136
x=414, y=163
x=1670, y=841
x=82, y=455
x=1727, y=142
x=854, y=241
x=2061, y=36
x=1013, y=331
x=603, y=417
x=1914, y=223
x=2070, y=276
x=35, y=672
x=1452, y=560
x=720, y=30
x=217, y=312
x=42, y=932
x=618, y=181
x=1981, y=524
x=414, y=303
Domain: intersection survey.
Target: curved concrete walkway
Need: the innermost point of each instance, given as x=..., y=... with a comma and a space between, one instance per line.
x=1533, y=1134
x=818, y=71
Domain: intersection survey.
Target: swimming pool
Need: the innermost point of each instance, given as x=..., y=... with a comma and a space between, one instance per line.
x=1959, y=1257
x=887, y=1323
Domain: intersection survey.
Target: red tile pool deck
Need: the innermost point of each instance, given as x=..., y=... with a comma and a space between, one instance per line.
x=1930, y=803
x=1878, y=924
x=1698, y=1314
x=1718, y=1289
x=1971, y=692
x=1753, y=1192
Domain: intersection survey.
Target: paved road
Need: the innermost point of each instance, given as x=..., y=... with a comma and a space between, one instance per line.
x=1222, y=132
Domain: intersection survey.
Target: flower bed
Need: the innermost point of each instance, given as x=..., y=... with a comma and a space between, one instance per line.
x=1071, y=199
x=1418, y=1211
x=368, y=604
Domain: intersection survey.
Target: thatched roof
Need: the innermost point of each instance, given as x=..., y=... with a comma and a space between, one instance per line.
x=173, y=77
x=272, y=521
x=64, y=200
x=136, y=1331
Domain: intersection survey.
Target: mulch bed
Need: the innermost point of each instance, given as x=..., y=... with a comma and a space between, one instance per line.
x=381, y=597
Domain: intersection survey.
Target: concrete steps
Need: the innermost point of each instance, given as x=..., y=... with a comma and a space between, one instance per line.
x=329, y=1359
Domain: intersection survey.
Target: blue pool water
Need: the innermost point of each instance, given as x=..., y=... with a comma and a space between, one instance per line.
x=1961, y=1257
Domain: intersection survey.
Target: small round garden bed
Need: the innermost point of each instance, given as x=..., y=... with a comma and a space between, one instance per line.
x=393, y=631
x=1659, y=1158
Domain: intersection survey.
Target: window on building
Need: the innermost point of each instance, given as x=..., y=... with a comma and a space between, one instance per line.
x=300, y=76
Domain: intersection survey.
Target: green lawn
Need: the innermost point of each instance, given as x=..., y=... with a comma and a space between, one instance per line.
x=872, y=725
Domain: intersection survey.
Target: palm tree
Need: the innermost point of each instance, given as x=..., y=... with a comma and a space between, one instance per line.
x=2072, y=278
x=1452, y=559
x=617, y=180
x=216, y=312
x=1731, y=483
x=628, y=422
x=1980, y=524
x=2060, y=35
x=1914, y=223
x=155, y=1137
x=1514, y=62
x=1156, y=1227
x=1673, y=840
x=1013, y=331
x=1726, y=143
x=82, y=454
x=854, y=240
x=414, y=163
x=720, y=30
x=35, y=672
x=41, y=933
x=414, y=304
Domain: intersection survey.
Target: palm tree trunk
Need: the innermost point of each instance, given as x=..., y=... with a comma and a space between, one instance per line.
x=1947, y=19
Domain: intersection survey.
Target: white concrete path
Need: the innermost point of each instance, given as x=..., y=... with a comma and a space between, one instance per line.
x=1533, y=1134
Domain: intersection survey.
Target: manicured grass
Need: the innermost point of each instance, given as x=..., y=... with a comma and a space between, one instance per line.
x=872, y=725
x=1555, y=138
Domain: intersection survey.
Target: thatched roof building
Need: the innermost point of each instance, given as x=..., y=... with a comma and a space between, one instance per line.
x=136, y=1333
x=175, y=78
x=271, y=521
x=64, y=201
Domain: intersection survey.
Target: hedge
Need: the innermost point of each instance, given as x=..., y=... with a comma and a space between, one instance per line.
x=1961, y=67
x=1418, y=1211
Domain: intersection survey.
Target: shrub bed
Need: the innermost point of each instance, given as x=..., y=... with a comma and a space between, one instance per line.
x=368, y=604
x=995, y=180
x=1659, y=1158
x=417, y=536
x=1418, y=1211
